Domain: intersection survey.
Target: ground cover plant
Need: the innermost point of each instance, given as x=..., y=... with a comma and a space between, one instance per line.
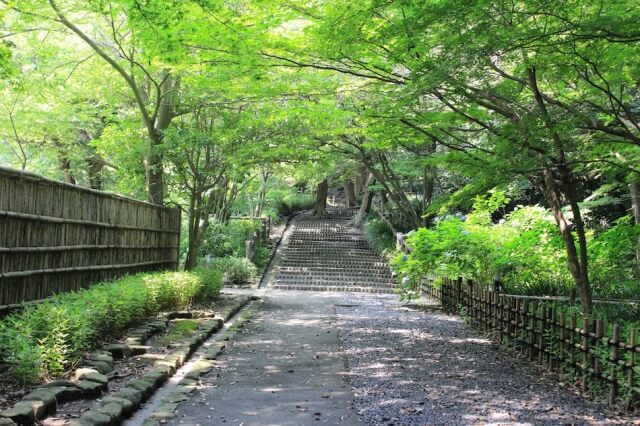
x=524, y=252
x=46, y=340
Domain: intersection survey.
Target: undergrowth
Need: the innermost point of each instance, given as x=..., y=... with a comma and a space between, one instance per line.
x=44, y=341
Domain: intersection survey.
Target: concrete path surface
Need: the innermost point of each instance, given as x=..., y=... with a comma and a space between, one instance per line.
x=285, y=368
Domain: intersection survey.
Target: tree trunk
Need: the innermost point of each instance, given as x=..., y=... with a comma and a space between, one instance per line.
x=634, y=188
x=350, y=193
x=155, y=175
x=361, y=183
x=94, y=167
x=427, y=191
x=320, y=207
x=262, y=195
x=576, y=261
x=192, y=230
x=367, y=198
x=64, y=163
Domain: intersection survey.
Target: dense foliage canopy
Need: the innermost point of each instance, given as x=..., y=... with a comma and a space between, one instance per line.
x=417, y=108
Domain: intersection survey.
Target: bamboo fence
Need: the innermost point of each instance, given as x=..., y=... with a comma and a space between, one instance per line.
x=56, y=237
x=598, y=357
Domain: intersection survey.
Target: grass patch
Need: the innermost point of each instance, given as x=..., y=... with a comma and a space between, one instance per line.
x=46, y=340
x=178, y=330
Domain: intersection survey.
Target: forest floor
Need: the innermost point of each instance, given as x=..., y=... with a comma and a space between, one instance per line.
x=338, y=358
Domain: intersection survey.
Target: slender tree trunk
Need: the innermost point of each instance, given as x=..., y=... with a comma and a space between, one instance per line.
x=427, y=191
x=192, y=231
x=577, y=256
x=350, y=193
x=64, y=163
x=574, y=259
x=94, y=169
x=262, y=195
x=320, y=207
x=634, y=189
x=367, y=199
x=154, y=172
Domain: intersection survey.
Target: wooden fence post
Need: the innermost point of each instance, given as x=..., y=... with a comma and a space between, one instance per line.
x=597, y=341
x=586, y=353
x=613, y=359
x=632, y=363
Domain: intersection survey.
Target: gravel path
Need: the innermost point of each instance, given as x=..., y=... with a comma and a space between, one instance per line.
x=411, y=367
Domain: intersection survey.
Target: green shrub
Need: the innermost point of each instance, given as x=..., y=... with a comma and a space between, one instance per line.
x=379, y=236
x=237, y=270
x=212, y=283
x=47, y=339
x=222, y=240
x=263, y=254
x=525, y=249
x=293, y=203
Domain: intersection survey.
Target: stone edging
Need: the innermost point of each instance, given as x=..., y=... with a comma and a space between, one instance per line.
x=203, y=366
x=92, y=378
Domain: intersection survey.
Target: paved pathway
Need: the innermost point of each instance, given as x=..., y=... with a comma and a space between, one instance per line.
x=308, y=358
x=285, y=368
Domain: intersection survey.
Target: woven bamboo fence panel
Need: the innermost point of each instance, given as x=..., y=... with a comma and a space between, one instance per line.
x=599, y=357
x=56, y=237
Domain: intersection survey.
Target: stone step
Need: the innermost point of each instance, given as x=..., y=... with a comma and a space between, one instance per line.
x=376, y=270
x=335, y=282
x=352, y=289
x=336, y=274
x=330, y=254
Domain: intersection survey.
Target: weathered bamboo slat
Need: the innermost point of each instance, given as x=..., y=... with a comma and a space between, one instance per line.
x=57, y=237
x=21, y=274
x=40, y=218
x=14, y=250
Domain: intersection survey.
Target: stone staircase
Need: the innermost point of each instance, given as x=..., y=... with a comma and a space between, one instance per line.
x=330, y=254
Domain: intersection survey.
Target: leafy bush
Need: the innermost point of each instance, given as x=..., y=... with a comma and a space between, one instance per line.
x=525, y=250
x=379, y=236
x=237, y=270
x=262, y=256
x=212, y=283
x=614, y=265
x=293, y=203
x=228, y=239
x=47, y=339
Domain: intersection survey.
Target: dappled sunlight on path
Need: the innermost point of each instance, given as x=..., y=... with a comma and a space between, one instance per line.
x=411, y=367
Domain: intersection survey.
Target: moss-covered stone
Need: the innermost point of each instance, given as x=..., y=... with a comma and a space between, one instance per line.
x=102, y=366
x=156, y=377
x=102, y=357
x=94, y=418
x=144, y=386
x=118, y=351
x=66, y=393
x=24, y=412
x=130, y=394
x=127, y=406
x=97, y=377
x=46, y=397
x=138, y=349
x=113, y=410
x=90, y=389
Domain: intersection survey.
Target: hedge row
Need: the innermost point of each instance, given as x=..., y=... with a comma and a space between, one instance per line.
x=45, y=340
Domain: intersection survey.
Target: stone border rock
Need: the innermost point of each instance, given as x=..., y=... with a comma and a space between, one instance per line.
x=189, y=383
x=114, y=408
x=91, y=379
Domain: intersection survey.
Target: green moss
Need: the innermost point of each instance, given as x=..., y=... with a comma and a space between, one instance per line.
x=178, y=330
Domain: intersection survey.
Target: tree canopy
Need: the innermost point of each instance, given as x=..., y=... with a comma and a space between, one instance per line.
x=415, y=107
